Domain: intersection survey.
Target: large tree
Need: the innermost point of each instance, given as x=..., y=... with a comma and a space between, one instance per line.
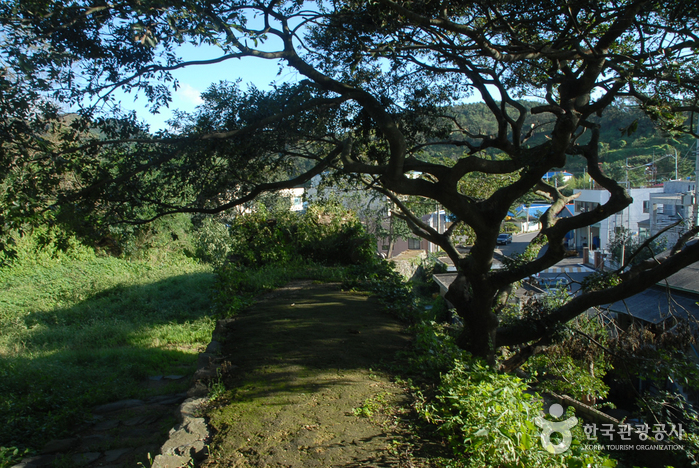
x=373, y=87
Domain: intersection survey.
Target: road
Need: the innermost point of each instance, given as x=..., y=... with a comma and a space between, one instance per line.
x=519, y=243
x=570, y=269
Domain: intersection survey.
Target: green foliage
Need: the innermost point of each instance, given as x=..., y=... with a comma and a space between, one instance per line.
x=260, y=238
x=379, y=277
x=78, y=330
x=325, y=234
x=600, y=280
x=212, y=242
x=511, y=228
x=216, y=387
x=642, y=139
x=45, y=245
x=433, y=352
x=438, y=310
x=672, y=408
x=164, y=238
x=530, y=253
x=10, y=456
x=266, y=251
x=488, y=420
x=576, y=363
x=567, y=376
x=329, y=234
x=371, y=406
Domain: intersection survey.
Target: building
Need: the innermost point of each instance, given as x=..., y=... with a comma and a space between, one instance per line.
x=600, y=235
x=675, y=203
x=295, y=196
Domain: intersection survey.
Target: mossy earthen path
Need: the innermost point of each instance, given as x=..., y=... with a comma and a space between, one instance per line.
x=306, y=386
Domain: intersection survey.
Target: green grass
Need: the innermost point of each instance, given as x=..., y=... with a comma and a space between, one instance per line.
x=77, y=331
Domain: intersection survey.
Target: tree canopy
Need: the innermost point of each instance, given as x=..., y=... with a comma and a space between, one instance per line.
x=377, y=85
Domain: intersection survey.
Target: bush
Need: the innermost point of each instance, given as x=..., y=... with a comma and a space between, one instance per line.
x=488, y=420
x=325, y=234
x=329, y=234
x=212, y=242
x=165, y=237
x=43, y=245
x=673, y=409
x=260, y=238
x=511, y=227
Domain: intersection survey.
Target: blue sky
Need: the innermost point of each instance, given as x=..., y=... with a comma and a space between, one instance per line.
x=195, y=80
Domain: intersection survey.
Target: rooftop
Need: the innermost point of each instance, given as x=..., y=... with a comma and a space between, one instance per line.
x=656, y=304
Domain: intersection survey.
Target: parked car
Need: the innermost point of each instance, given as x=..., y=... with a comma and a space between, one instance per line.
x=504, y=239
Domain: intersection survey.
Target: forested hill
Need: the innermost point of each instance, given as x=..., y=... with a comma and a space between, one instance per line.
x=618, y=143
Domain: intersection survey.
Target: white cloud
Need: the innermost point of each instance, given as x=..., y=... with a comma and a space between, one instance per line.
x=190, y=94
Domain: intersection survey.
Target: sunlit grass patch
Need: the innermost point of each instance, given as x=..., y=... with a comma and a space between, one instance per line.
x=78, y=332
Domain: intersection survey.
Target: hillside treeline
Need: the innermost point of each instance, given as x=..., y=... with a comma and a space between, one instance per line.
x=626, y=131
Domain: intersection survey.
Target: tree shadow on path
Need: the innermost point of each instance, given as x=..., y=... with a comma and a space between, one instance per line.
x=307, y=387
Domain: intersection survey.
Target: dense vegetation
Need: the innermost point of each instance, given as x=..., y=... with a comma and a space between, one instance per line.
x=78, y=328
x=82, y=329
x=377, y=87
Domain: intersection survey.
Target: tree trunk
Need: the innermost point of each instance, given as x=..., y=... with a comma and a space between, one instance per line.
x=391, y=237
x=391, y=244
x=480, y=323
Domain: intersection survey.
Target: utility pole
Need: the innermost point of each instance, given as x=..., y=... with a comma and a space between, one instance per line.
x=676, y=175
x=696, y=185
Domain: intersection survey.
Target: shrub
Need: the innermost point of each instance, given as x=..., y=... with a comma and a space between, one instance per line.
x=673, y=409
x=165, y=237
x=324, y=234
x=329, y=234
x=44, y=245
x=488, y=420
x=260, y=238
x=212, y=242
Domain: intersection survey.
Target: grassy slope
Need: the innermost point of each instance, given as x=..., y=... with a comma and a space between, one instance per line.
x=76, y=332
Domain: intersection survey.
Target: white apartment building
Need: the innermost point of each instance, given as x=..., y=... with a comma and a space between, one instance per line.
x=675, y=203
x=599, y=235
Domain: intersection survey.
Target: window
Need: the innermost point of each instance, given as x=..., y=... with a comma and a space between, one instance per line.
x=584, y=207
x=646, y=206
x=414, y=244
